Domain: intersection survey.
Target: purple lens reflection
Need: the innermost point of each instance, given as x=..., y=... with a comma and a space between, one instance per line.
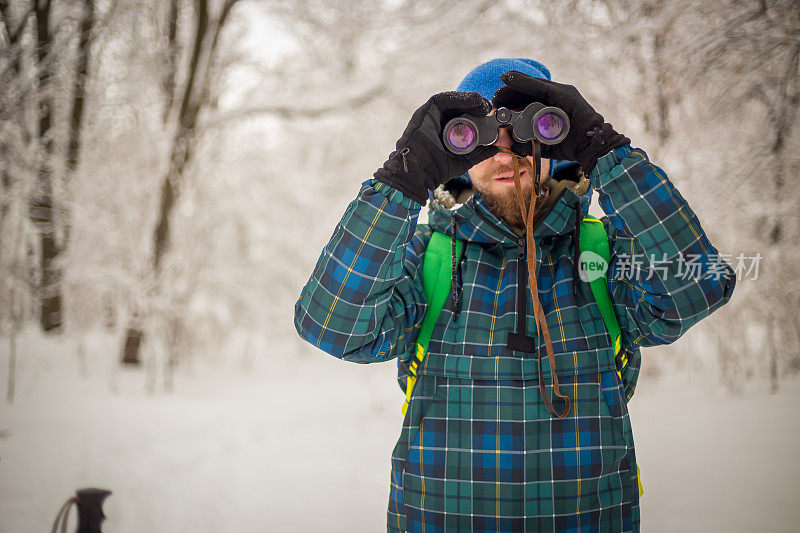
x=461, y=135
x=550, y=125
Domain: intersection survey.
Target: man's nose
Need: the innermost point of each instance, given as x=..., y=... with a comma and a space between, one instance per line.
x=504, y=140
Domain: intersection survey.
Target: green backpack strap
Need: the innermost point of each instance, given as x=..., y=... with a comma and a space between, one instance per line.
x=436, y=282
x=593, y=238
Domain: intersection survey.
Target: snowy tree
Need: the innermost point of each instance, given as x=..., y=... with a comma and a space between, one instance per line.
x=45, y=64
x=181, y=113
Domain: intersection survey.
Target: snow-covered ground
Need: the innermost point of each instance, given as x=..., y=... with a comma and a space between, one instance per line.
x=302, y=443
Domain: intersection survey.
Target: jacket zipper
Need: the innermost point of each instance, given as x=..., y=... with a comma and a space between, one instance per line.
x=522, y=282
x=522, y=271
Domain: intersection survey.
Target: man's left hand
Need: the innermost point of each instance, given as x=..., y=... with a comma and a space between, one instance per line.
x=589, y=137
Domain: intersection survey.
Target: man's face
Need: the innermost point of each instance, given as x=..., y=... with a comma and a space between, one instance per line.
x=493, y=179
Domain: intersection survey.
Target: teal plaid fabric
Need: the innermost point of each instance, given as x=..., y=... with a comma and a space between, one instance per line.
x=478, y=451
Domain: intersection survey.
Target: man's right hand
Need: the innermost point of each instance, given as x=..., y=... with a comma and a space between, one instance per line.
x=421, y=162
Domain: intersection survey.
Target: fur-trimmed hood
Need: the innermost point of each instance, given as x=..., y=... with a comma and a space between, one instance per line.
x=567, y=203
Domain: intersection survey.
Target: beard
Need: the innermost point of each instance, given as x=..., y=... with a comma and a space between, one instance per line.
x=505, y=204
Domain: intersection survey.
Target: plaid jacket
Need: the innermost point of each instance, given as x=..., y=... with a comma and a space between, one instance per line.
x=478, y=451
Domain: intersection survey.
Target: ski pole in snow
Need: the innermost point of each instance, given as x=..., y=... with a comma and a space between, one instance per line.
x=90, y=511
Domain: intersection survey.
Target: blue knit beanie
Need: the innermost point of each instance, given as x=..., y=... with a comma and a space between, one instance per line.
x=485, y=79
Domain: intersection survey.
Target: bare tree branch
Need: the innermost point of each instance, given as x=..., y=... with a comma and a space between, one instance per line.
x=79, y=87
x=288, y=111
x=171, y=58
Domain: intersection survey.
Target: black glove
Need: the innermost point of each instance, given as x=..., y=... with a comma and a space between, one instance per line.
x=589, y=137
x=421, y=162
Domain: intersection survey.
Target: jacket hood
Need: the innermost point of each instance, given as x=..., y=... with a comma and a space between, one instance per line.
x=476, y=222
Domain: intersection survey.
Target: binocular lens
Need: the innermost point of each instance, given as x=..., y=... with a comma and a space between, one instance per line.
x=550, y=125
x=544, y=124
x=462, y=136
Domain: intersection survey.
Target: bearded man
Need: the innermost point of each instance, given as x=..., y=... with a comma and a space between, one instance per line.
x=517, y=413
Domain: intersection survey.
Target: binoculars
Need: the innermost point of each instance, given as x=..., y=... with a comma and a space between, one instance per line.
x=545, y=124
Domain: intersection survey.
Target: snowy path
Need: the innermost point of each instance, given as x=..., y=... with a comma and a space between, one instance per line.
x=305, y=447
x=718, y=463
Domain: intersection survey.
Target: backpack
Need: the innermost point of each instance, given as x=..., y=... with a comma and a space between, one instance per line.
x=437, y=283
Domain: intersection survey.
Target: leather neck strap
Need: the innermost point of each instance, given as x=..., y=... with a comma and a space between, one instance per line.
x=537, y=197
